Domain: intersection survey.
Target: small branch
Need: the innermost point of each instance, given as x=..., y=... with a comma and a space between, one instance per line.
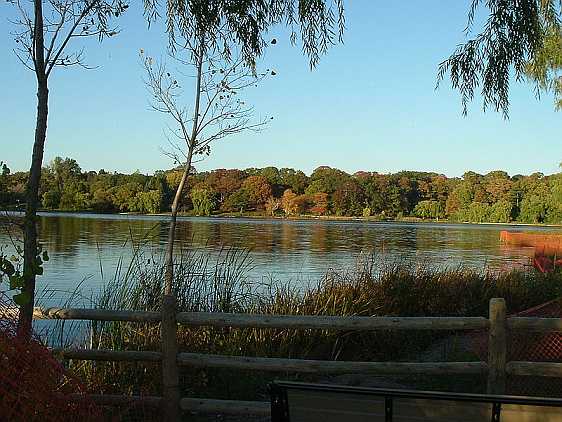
x=68, y=36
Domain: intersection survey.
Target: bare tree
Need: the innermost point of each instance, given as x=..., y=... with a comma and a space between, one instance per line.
x=217, y=111
x=44, y=30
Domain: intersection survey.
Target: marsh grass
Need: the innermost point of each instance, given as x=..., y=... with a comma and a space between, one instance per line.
x=220, y=283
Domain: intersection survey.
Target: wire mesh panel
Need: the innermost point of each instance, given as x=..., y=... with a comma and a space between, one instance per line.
x=124, y=378
x=536, y=347
x=378, y=346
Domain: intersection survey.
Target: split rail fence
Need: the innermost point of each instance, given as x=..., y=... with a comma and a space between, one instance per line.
x=172, y=404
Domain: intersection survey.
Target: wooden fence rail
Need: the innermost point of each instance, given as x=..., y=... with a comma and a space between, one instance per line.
x=96, y=314
x=220, y=319
x=336, y=323
x=496, y=368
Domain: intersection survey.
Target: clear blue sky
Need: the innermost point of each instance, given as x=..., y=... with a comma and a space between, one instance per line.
x=370, y=104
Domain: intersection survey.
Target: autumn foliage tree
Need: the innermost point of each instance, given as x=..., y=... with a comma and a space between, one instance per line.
x=492, y=197
x=349, y=198
x=272, y=205
x=258, y=190
x=302, y=204
x=288, y=203
x=225, y=182
x=320, y=203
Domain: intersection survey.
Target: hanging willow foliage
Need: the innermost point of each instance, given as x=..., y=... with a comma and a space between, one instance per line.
x=513, y=34
x=244, y=23
x=545, y=68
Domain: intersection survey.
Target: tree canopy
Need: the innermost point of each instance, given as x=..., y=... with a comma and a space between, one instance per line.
x=519, y=38
x=492, y=197
x=515, y=33
x=244, y=24
x=546, y=65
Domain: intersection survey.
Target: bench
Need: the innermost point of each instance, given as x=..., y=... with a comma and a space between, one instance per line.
x=296, y=402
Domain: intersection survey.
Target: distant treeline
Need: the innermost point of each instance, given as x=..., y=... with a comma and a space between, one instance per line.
x=493, y=197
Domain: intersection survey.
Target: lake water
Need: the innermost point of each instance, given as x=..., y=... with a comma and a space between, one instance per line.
x=286, y=250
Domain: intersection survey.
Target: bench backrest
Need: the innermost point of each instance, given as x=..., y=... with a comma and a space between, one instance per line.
x=296, y=402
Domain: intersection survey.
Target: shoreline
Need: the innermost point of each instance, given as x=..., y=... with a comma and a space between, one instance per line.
x=411, y=220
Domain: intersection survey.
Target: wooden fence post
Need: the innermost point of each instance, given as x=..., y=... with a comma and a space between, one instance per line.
x=170, y=377
x=497, y=347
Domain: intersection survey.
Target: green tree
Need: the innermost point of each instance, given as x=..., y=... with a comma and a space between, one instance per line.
x=123, y=195
x=534, y=209
x=326, y=179
x=51, y=199
x=466, y=192
x=429, y=209
x=149, y=202
x=61, y=183
x=102, y=200
x=292, y=179
x=203, y=199
x=75, y=196
x=64, y=170
x=478, y=212
x=271, y=174
x=554, y=212
x=100, y=186
x=501, y=212
x=4, y=180
x=239, y=201
x=375, y=187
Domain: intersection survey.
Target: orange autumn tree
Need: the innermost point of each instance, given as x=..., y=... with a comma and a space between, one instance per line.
x=288, y=203
x=258, y=190
x=320, y=201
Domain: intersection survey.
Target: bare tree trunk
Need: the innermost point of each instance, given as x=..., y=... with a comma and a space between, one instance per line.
x=169, y=274
x=34, y=179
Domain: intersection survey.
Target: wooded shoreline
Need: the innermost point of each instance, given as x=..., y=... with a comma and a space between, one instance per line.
x=327, y=193
x=226, y=216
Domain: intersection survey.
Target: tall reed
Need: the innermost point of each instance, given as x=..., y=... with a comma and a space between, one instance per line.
x=220, y=283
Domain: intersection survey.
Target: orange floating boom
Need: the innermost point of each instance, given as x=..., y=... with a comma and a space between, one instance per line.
x=547, y=244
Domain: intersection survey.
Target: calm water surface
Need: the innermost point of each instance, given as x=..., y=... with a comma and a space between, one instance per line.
x=297, y=251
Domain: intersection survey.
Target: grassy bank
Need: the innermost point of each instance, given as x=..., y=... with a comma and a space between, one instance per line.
x=371, y=288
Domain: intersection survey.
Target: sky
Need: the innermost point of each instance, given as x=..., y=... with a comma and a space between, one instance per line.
x=370, y=104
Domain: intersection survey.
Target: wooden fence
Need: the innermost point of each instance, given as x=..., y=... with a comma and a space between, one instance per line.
x=496, y=368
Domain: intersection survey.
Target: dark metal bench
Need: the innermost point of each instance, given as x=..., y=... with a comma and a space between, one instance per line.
x=296, y=402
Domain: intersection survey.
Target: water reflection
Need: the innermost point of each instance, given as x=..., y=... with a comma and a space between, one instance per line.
x=284, y=249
